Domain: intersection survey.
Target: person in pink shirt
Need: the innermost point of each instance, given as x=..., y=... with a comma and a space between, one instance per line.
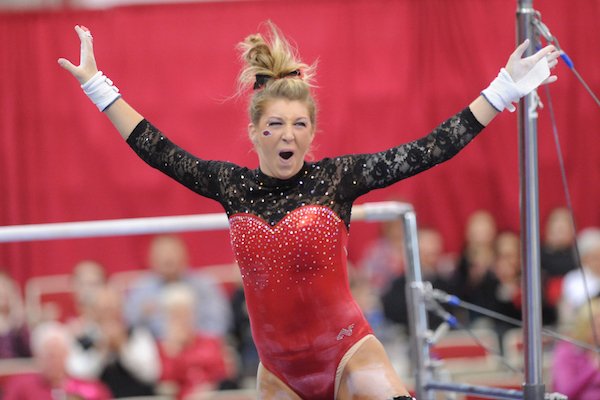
x=576, y=371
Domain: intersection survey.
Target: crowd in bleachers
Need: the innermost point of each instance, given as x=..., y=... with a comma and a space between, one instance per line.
x=179, y=331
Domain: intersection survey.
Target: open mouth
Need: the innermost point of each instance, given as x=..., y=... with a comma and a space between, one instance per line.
x=286, y=155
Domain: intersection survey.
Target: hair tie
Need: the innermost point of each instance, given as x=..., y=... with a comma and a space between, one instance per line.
x=292, y=74
x=261, y=79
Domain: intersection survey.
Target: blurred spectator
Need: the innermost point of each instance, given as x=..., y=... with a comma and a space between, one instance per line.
x=557, y=256
x=242, y=334
x=507, y=268
x=50, y=343
x=474, y=279
x=478, y=250
x=125, y=359
x=434, y=269
x=436, y=266
x=574, y=292
x=168, y=260
x=506, y=297
x=507, y=271
x=557, y=251
x=383, y=259
x=576, y=371
x=14, y=335
x=194, y=361
x=87, y=278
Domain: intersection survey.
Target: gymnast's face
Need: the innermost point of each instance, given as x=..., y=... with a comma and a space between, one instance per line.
x=282, y=137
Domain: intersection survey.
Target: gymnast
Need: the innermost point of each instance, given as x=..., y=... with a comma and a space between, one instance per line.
x=289, y=218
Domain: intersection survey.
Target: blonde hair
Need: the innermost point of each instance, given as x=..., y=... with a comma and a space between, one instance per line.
x=581, y=329
x=274, y=61
x=588, y=241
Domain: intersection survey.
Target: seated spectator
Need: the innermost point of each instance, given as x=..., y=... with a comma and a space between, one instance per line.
x=478, y=250
x=557, y=254
x=241, y=334
x=168, y=260
x=195, y=362
x=574, y=293
x=433, y=269
x=126, y=360
x=14, y=335
x=557, y=251
x=474, y=279
x=576, y=371
x=436, y=267
x=507, y=294
x=87, y=278
x=50, y=343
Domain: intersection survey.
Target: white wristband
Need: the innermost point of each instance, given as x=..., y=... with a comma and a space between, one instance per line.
x=503, y=91
x=101, y=91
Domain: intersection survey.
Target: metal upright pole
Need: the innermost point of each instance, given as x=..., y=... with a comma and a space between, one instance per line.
x=533, y=387
x=417, y=314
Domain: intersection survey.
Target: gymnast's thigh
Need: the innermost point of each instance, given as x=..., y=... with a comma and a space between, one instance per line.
x=369, y=375
x=270, y=387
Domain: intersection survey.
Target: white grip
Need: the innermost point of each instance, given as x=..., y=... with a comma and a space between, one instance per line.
x=503, y=91
x=101, y=91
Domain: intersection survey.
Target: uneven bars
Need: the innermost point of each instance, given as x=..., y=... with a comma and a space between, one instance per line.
x=379, y=211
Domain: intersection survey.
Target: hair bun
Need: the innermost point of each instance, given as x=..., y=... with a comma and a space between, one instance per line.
x=258, y=53
x=270, y=58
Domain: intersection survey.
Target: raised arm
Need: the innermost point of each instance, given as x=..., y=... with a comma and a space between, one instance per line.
x=519, y=77
x=124, y=117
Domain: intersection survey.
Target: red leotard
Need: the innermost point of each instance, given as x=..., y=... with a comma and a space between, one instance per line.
x=290, y=238
x=302, y=314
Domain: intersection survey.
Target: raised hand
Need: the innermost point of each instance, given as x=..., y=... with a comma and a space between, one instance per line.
x=518, y=67
x=87, y=63
x=520, y=77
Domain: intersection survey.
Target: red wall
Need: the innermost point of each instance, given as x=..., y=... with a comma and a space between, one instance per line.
x=389, y=71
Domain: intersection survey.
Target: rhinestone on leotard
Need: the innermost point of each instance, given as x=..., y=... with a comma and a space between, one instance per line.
x=284, y=244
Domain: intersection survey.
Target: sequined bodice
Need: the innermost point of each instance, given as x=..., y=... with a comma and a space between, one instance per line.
x=303, y=246
x=296, y=259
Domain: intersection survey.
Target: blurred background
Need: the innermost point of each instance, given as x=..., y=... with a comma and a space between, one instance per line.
x=389, y=71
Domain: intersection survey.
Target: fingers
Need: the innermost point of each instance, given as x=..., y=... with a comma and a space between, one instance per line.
x=554, y=55
x=66, y=64
x=83, y=33
x=87, y=62
x=543, y=53
x=550, y=79
x=520, y=49
x=85, y=36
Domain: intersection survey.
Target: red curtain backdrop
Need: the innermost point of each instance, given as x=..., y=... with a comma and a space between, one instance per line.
x=389, y=72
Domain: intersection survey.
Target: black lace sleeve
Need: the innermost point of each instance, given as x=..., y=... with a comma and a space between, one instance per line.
x=207, y=178
x=366, y=172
